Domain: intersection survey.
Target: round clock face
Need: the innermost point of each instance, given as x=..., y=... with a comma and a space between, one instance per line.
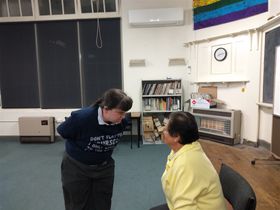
x=220, y=54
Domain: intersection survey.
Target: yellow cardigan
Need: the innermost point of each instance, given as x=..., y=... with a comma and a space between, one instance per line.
x=190, y=182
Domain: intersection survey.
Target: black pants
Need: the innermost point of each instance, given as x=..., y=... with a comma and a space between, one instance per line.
x=161, y=207
x=87, y=187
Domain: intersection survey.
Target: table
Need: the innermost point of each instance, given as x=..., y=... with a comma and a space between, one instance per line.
x=136, y=116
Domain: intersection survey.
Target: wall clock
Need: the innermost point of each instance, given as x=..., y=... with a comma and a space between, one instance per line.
x=220, y=54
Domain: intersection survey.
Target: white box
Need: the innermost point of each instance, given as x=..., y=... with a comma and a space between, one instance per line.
x=200, y=103
x=36, y=129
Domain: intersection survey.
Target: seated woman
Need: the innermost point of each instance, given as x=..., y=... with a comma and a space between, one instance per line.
x=190, y=182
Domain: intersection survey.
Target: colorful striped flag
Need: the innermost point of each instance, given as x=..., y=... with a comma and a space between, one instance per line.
x=208, y=13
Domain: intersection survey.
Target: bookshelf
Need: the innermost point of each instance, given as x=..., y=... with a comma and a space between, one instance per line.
x=159, y=99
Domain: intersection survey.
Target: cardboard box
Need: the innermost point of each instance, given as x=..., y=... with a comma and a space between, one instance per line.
x=205, y=103
x=148, y=124
x=149, y=136
x=211, y=90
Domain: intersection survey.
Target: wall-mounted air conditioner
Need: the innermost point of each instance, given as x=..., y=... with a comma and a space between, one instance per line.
x=156, y=17
x=36, y=129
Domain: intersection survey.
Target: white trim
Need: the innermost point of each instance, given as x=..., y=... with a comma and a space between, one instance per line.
x=276, y=95
x=267, y=26
x=7, y=5
x=104, y=7
x=220, y=82
x=50, y=8
x=266, y=105
x=62, y=7
x=19, y=7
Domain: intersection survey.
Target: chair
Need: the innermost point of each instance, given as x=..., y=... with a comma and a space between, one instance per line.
x=236, y=189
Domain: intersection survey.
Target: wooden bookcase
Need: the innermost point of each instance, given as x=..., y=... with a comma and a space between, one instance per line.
x=159, y=99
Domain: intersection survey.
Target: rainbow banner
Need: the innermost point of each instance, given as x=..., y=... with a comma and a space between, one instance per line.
x=208, y=13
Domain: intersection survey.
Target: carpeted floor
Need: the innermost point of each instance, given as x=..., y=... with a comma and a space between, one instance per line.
x=30, y=176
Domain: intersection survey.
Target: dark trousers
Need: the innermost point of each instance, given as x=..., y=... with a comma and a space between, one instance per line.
x=87, y=187
x=161, y=207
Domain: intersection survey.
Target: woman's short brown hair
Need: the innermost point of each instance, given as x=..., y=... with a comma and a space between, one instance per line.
x=183, y=124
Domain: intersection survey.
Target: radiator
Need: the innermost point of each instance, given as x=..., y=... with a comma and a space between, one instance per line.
x=36, y=129
x=219, y=124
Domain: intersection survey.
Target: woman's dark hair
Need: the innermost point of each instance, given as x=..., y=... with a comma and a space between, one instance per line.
x=115, y=99
x=183, y=124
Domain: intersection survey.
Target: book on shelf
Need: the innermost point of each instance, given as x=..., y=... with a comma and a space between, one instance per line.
x=165, y=121
x=162, y=104
x=146, y=88
x=160, y=129
x=156, y=134
x=157, y=91
x=162, y=88
x=167, y=88
x=152, y=90
x=156, y=122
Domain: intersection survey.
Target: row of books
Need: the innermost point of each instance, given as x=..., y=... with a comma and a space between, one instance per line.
x=166, y=88
x=162, y=104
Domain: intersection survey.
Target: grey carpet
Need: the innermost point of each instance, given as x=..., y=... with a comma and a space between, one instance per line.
x=30, y=176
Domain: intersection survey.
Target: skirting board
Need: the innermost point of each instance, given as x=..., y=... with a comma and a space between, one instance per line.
x=17, y=138
x=259, y=143
x=264, y=144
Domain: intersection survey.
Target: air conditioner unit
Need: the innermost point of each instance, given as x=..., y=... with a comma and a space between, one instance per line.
x=156, y=17
x=36, y=129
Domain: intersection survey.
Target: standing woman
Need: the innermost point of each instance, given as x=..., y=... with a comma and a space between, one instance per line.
x=190, y=182
x=92, y=133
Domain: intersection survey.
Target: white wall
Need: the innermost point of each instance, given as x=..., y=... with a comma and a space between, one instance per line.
x=256, y=120
x=156, y=46
x=9, y=118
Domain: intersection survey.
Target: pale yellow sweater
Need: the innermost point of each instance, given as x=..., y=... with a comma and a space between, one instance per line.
x=190, y=182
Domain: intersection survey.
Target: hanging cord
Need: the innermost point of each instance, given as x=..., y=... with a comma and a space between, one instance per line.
x=98, y=38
